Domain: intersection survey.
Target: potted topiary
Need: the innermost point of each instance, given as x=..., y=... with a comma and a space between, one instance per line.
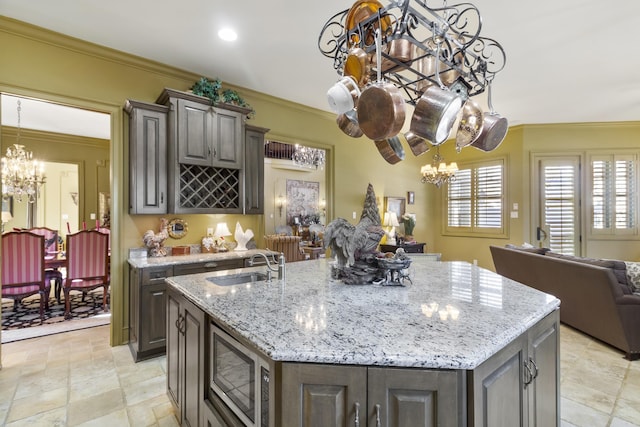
x=211, y=90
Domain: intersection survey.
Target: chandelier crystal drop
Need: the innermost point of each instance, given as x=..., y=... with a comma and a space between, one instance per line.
x=22, y=176
x=438, y=172
x=309, y=157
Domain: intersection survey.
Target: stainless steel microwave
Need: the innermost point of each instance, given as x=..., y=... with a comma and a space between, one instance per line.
x=240, y=378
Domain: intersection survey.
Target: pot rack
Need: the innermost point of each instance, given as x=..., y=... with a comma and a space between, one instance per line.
x=455, y=28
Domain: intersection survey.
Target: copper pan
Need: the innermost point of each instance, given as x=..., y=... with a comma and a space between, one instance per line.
x=358, y=66
x=391, y=149
x=494, y=130
x=348, y=123
x=417, y=144
x=435, y=114
x=381, y=109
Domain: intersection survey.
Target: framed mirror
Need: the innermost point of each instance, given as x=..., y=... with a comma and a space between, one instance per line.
x=177, y=228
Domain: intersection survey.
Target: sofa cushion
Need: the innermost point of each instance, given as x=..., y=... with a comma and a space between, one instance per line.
x=633, y=275
x=619, y=268
x=528, y=248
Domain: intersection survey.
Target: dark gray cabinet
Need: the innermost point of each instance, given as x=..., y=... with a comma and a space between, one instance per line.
x=147, y=302
x=147, y=157
x=254, y=170
x=329, y=395
x=147, y=314
x=519, y=386
x=185, y=358
x=206, y=154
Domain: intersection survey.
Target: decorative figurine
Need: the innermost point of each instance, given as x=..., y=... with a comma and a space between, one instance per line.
x=155, y=241
x=355, y=249
x=242, y=237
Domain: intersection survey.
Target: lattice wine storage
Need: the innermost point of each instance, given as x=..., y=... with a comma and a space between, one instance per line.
x=204, y=187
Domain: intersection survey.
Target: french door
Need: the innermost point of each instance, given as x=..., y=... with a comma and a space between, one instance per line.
x=556, y=203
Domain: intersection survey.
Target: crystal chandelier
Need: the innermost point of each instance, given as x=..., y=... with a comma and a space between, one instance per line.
x=438, y=172
x=308, y=157
x=22, y=176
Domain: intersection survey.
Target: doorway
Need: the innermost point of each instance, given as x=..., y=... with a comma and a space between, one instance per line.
x=69, y=140
x=556, y=203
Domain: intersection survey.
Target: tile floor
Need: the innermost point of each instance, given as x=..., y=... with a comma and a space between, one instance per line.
x=76, y=379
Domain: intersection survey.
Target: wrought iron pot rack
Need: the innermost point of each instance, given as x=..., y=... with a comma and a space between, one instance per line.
x=455, y=29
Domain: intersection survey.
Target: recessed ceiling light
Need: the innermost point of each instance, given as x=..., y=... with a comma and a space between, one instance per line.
x=227, y=34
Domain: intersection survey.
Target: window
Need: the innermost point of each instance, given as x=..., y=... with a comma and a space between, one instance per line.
x=613, y=197
x=475, y=200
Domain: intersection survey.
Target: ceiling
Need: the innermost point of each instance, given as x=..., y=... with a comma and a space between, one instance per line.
x=569, y=61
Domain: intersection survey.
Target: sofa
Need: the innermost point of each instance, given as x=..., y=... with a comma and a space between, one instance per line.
x=595, y=295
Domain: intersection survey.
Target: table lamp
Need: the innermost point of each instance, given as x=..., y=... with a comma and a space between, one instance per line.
x=221, y=232
x=391, y=220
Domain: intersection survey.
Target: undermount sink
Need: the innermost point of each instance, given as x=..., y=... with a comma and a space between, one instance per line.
x=238, y=279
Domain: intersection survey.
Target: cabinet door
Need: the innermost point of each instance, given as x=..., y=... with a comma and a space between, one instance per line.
x=195, y=133
x=544, y=388
x=193, y=363
x=414, y=398
x=147, y=158
x=153, y=309
x=498, y=388
x=323, y=395
x=228, y=141
x=254, y=172
x=174, y=388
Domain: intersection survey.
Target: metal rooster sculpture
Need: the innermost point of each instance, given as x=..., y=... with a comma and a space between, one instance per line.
x=354, y=246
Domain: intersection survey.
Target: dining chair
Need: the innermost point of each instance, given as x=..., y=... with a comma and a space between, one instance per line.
x=51, y=250
x=87, y=265
x=23, y=268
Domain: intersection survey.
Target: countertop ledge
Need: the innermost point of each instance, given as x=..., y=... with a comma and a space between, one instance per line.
x=143, y=262
x=312, y=318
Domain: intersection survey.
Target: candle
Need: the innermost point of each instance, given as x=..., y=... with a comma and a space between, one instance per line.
x=97, y=223
x=68, y=228
x=84, y=225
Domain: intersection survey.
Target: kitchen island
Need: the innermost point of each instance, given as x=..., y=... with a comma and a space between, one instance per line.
x=459, y=346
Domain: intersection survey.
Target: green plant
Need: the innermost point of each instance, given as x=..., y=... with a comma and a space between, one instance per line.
x=211, y=89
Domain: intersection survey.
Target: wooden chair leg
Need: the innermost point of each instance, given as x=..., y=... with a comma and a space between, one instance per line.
x=41, y=306
x=67, y=305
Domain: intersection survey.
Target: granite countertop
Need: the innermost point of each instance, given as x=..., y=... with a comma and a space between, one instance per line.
x=143, y=261
x=312, y=318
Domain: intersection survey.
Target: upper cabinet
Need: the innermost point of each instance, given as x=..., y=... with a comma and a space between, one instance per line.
x=188, y=156
x=147, y=157
x=254, y=169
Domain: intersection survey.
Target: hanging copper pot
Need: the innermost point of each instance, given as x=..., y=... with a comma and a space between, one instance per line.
x=343, y=95
x=470, y=125
x=391, y=149
x=358, y=66
x=348, y=123
x=417, y=144
x=493, y=132
x=435, y=113
x=381, y=109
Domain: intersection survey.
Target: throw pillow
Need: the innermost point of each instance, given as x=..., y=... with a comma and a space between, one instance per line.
x=633, y=275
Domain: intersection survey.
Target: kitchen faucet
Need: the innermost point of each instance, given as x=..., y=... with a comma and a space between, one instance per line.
x=280, y=267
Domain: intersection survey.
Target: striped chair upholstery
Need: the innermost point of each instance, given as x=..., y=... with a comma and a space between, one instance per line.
x=23, y=268
x=289, y=245
x=51, y=249
x=87, y=265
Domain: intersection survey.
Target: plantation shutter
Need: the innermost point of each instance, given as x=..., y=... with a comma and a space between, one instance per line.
x=561, y=206
x=614, y=194
x=488, y=198
x=475, y=200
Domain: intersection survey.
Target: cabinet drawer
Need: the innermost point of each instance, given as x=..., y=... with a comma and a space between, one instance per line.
x=156, y=274
x=203, y=267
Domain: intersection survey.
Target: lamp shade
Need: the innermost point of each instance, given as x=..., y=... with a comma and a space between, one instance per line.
x=390, y=219
x=222, y=230
x=6, y=216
